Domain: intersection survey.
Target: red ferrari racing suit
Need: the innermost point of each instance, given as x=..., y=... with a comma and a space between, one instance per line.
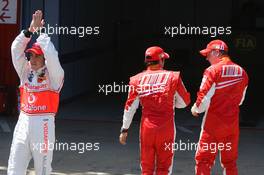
x=34, y=134
x=159, y=92
x=221, y=93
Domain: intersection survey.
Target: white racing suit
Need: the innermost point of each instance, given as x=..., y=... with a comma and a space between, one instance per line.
x=34, y=134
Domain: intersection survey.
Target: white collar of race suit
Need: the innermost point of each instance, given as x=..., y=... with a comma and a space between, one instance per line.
x=40, y=70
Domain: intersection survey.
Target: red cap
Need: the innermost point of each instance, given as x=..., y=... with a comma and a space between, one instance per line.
x=155, y=53
x=35, y=49
x=214, y=45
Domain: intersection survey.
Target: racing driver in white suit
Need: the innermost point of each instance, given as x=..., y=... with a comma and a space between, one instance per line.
x=41, y=78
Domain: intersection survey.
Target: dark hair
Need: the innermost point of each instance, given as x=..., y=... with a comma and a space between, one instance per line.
x=152, y=63
x=223, y=52
x=220, y=52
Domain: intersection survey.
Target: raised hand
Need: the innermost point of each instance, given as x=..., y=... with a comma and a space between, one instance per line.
x=37, y=22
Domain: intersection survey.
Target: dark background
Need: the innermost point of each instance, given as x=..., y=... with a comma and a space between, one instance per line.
x=128, y=28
